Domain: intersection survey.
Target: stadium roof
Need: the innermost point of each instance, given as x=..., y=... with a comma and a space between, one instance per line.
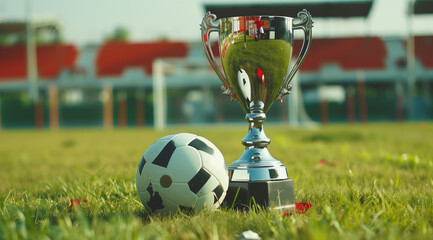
x=323, y=9
x=20, y=26
x=423, y=7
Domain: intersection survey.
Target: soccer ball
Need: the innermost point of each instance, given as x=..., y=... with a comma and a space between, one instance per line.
x=182, y=172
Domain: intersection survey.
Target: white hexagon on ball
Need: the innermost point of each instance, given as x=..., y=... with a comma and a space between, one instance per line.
x=182, y=171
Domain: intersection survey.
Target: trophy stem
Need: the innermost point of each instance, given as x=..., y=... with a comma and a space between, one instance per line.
x=256, y=163
x=256, y=137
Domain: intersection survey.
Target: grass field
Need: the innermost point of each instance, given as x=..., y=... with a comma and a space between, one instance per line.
x=370, y=181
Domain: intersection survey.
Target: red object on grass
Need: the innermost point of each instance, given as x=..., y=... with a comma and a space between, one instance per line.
x=324, y=162
x=301, y=208
x=77, y=202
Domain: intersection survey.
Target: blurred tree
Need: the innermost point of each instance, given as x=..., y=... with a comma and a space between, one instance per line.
x=7, y=39
x=48, y=36
x=119, y=34
x=3, y=39
x=43, y=36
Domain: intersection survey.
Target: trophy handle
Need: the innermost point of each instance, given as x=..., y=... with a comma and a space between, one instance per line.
x=305, y=22
x=208, y=25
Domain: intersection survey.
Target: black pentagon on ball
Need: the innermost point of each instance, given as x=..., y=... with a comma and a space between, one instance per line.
x=201, y=146
x=164, y=156
x=218, y=192
x=155, y=201
x=186, y=210
x=199, y=180
x=141, y=165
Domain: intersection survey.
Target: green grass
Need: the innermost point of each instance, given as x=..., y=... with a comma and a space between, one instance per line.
x=380, y=185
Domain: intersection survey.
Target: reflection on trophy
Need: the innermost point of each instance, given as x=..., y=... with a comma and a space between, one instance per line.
x=255, y=56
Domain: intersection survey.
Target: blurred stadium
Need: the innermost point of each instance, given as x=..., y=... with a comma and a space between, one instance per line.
x=46, y=82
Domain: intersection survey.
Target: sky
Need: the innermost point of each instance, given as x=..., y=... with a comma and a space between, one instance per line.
x=90, y=21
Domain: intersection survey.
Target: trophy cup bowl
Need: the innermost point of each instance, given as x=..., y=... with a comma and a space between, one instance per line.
x=255, y=53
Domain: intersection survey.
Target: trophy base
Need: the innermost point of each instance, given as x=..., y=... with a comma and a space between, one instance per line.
x=272, y=194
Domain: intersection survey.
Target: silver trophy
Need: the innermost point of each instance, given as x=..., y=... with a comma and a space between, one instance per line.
x=255, y=53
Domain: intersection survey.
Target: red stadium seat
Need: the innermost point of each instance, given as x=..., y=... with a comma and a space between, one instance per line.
x=424, y=50
x=348, y=53
x=51, y=59
x=115, y=57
